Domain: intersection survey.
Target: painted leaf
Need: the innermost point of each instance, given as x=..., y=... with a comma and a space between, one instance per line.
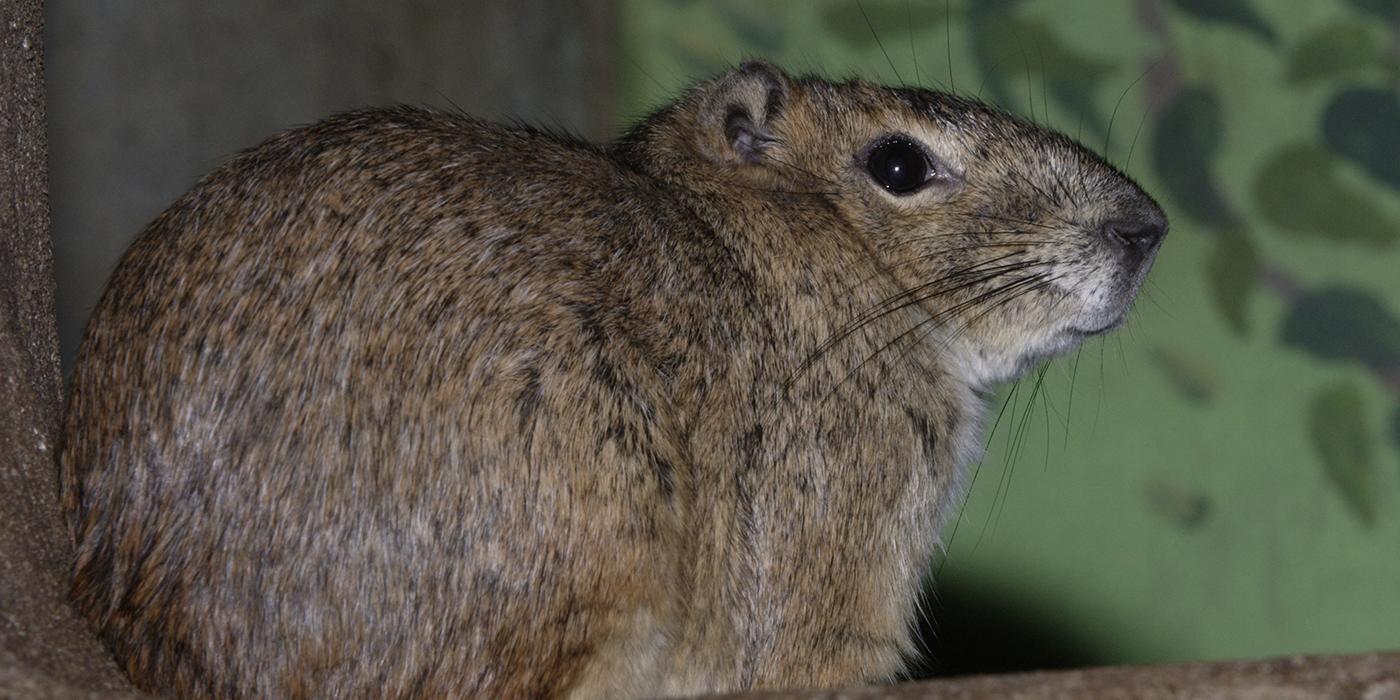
x=1232, y=273
x=1237, y=13
x=1183, y=506
x=1337, y=428
x=1184, y=141
x=1395, y=426
x=1344, y=325
x=1192, y=375
x=1385, y=9
x=1298, y=191
x=888, y=21
x=1363, y=125
x=1332, y=51
x=1036, y=47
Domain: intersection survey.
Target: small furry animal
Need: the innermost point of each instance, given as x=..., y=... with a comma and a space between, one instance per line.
x=409, y=404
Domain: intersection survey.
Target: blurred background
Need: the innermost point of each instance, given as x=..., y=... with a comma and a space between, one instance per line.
x=1221, y=479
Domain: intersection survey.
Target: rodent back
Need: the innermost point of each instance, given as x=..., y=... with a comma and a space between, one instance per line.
x=301, y=400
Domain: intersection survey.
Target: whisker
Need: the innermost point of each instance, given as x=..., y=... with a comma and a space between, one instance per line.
x=986, y=445
x=1044, y=83
x=913, y=296
x=1040, y=281
x=1008, y=219
x=876, y=35
x=1045, y=195
x=1013, y=239
x=1022, y=246
x=1018, y=444
x=1151, y=109
x=1073, y=376
x=948, y=42
x=1008, y=292
x=931, y=322
x=913, y=53
x=985, y=266
x=1114, y=115
x=1030, y=82
x=796, y=168
x=1015, y=441
x=1041, y=284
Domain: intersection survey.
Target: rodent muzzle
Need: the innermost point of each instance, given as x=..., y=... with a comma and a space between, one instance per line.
x=1139, y=237
x=1131, y=235
x=1135, y=238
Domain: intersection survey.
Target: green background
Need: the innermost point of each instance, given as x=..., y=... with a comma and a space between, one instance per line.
x=1220, y=479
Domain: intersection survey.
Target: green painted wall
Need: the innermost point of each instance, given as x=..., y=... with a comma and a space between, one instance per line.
x=1221, y=478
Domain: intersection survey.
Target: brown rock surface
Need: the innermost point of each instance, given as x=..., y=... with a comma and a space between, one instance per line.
x=1359, y=677
x=45, y=650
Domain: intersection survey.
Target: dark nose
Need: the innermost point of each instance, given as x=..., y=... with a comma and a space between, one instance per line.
x=1138, y=235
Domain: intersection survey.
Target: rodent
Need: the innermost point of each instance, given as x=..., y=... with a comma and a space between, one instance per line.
x=409, y=404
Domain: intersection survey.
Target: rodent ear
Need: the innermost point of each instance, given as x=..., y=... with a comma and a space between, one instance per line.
x=738, y=111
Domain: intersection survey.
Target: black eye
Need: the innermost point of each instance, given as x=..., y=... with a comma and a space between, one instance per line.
x=899, y=166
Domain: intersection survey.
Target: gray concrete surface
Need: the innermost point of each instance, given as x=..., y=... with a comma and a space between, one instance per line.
x=144, y=97
x=45, y=650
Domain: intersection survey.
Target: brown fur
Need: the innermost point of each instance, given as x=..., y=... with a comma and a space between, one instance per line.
x=407, y=404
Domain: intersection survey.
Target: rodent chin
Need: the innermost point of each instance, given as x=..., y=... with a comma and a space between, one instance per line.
x=984, y=369
x=1088, y=329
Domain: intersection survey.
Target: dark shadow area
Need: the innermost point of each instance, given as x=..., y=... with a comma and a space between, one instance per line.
x=970, y=631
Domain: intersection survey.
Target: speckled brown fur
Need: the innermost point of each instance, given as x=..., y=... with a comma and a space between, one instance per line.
x=407, y=404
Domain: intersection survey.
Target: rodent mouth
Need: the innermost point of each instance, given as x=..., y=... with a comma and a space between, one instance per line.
x=1084, y=333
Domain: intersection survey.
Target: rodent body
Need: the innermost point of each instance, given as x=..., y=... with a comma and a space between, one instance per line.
x=407, y=404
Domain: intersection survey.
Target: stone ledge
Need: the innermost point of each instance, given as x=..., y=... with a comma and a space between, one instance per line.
x=1359, y=677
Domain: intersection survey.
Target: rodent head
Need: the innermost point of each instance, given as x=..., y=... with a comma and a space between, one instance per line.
x=1018, y=241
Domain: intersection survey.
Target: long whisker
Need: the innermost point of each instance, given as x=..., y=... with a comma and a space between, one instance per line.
x=876, y=35
x=977, y=471
x=1018, y=443
x=928, y=325
x=1006, y=292
x=1020, y=245
x=1011, y=396
x=913, y=53
x=796, y=168
x=1114, y=115
x=1008, y=219
x=779, y=190
x=1053, y=200
x=1151, y=109
x=1015, y=440
x=912, y=240
x=985, y=269
x=948, y=42
x=1040, y=282
x=1073, y=375
x=916, y=295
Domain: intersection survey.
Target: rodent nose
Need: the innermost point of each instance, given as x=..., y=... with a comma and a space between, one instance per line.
x=1138, y=235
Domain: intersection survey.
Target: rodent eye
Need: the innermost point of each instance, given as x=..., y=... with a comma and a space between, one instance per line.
x=899, y=166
